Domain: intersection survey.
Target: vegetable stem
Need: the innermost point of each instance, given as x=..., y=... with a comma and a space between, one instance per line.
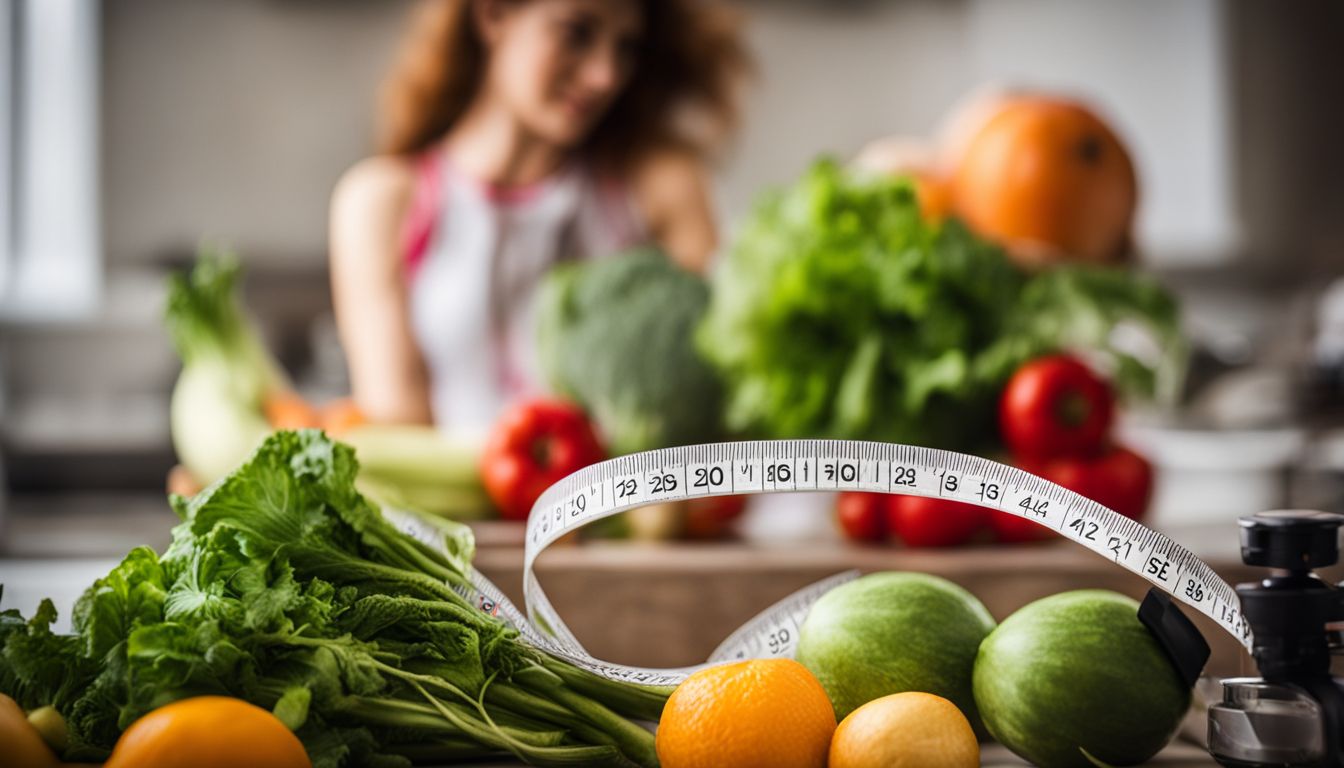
x=642, y=702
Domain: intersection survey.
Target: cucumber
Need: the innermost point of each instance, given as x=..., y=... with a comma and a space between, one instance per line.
x=416, y=467
x=415, y=455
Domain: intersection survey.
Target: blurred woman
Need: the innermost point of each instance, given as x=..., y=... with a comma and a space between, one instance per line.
x=516, y=134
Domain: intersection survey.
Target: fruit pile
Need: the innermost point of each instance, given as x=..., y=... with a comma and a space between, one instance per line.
x=914, y=669
x=1055, y=418
x=1042, y=174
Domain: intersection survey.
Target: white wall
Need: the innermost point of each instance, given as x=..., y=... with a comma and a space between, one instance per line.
x=837, y=76
x=233, y=119
x=834, y=76
x=1159, y=71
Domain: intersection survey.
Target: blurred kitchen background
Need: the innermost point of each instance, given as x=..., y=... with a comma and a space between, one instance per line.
x=133, y=129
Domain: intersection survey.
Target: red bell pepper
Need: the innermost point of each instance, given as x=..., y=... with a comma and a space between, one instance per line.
x=533, y=446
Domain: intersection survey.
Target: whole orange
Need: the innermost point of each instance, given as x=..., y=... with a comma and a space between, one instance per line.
x=208, y=732
x=905, y=730
x=770, y=713
x=1046, y=175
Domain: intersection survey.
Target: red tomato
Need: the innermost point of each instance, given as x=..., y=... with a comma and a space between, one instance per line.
x=920, y=521
x=1055, y=406
x=711, y=517
x=534, y=445
x=1119, y=478
x=862, y=516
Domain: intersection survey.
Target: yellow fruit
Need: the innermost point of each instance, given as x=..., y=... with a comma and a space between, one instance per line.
x=208, y=732
x=766, y=713
x=905, y=730
x=51, y=727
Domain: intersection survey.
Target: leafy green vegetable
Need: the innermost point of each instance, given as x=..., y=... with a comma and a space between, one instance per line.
x=617, y=335
x=841, y=312
x=218, y=404
x=216, y=408
x=284, y=586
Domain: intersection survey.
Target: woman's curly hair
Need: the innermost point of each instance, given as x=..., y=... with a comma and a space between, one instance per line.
x=683, y=92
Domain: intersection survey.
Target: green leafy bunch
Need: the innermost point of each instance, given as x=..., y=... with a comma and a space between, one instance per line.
x=285, y=587
x=841, y=312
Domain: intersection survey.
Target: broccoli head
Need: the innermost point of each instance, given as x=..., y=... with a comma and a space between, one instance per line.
x=617, y=336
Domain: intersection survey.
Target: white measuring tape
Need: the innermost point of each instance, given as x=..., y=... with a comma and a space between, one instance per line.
x=783, y=466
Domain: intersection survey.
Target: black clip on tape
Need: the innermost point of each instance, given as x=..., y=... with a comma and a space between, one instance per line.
x=1182, y=641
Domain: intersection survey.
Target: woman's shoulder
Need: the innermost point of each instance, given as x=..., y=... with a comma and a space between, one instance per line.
x=369, y=208
x=665, y=174
x=376, y=183
x=671, y=187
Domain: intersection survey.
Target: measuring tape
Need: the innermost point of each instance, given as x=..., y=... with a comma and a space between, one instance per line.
x=784, y=466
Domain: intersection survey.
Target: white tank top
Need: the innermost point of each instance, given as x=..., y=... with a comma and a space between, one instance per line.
x=475, y=255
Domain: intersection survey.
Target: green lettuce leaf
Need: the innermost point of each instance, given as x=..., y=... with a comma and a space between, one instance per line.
x=841, y=312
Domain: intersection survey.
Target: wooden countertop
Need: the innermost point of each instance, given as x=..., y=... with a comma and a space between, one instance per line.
x=670, y=604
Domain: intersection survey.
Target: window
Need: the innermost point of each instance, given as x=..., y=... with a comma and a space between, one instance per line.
x=50, y=264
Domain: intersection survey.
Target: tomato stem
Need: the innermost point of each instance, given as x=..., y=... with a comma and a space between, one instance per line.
x=1073, y=409
x=542, y=448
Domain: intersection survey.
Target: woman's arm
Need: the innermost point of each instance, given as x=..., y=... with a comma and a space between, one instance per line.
x=672, y=190
x=387, y=372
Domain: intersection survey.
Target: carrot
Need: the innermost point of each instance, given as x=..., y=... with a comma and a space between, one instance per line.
x=339, y=416
x=286, y=410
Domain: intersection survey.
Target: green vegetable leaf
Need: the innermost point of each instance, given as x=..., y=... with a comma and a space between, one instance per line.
x=841, y=312
x=284, y=586
x=131, y=595
x=292, y=708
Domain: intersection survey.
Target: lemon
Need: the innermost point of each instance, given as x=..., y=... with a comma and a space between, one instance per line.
x=905, y=730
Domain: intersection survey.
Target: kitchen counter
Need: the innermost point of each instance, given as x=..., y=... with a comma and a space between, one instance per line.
x=666, y=604
x=655, y=604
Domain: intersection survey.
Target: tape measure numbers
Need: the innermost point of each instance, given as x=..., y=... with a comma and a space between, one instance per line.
x=784, y=466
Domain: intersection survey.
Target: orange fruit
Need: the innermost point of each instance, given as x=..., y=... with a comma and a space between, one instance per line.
x=770, y=713
x=1045, y=175
x=208, y=732
x=905, y=730
x=20, y=743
